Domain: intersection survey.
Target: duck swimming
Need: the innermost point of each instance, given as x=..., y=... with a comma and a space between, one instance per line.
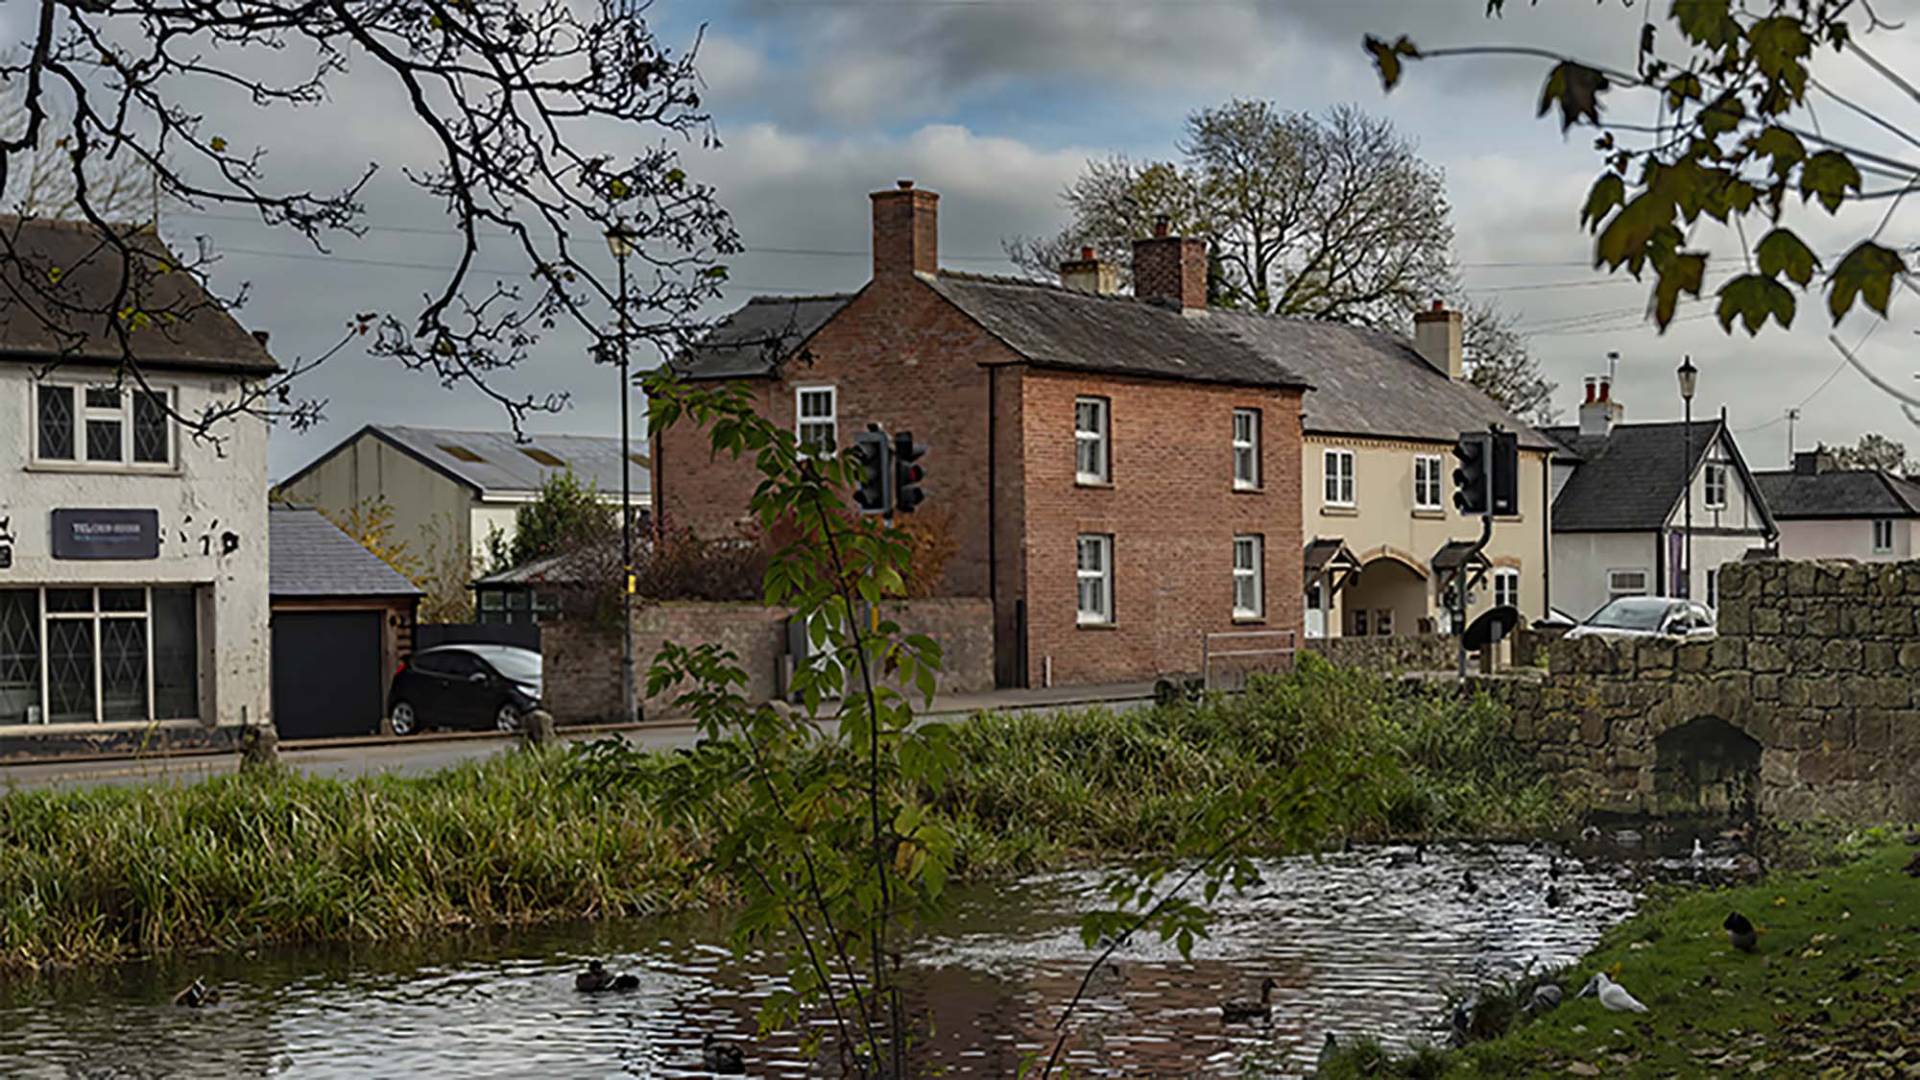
x=197, y=995
x=723, y=1058
x=1240, y=1012
x=597, y=979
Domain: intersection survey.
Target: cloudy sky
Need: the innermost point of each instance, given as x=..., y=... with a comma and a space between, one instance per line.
x=996, y=104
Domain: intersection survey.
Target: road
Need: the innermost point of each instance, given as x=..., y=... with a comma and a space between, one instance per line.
x=425, y=754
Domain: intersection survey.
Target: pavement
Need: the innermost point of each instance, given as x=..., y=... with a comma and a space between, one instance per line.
x=433, y=751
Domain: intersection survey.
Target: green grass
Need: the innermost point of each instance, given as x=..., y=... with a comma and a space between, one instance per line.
x=104, y=874
x=1835, y=985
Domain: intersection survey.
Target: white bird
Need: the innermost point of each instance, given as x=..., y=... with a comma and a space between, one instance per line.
x=1611, y=994
x=1699, y=851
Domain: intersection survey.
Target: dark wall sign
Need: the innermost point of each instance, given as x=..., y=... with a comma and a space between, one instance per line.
x=106, y=534
x=6, y=543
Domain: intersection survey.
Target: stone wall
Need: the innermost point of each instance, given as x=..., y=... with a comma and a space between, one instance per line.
x=1805, y=706
x=1402, y=652
x=582, y=661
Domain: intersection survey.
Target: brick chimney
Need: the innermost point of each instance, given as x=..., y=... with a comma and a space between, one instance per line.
x=906, y=231
x=1812, y=462
x=1600, y=412
x=1088, y=274
x=1437, y=336
x=1170, y=270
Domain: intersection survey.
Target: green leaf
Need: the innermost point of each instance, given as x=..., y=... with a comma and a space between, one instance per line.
x=1678, y=274
x=1682, y=88
x=1723, y=115
x=1779, y=45
x=1867, y=274
x=1753, y=297
x=1706, y=22
x=1783, y=252
x=1608, y=192
x=1576, y=89
x=1387, y=57
x=1828, y=174
x=1783, y=146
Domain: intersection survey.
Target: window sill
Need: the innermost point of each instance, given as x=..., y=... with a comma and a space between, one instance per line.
x=1430, y=513
x=103, y=468
x=1332, y=510
x=1083, y=482
x=1096, y=625
x=1249, y=620
x=1248, y=489
x=85, y=727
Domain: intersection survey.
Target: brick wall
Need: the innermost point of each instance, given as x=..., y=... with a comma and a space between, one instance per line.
x=1173, y=512
x=582, y=661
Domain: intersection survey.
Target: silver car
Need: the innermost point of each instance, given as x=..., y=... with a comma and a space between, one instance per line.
x=1649, y=616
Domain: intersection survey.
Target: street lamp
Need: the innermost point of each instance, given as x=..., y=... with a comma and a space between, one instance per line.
x=1689, y=377
x=620, y=243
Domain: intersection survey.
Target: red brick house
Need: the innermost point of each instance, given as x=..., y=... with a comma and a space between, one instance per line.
x=1123, y=473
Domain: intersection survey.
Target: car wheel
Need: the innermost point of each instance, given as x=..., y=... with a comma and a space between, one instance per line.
x=403, y=719
x=507, y=719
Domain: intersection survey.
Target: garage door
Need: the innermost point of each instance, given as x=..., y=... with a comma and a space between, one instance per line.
x=327, y=677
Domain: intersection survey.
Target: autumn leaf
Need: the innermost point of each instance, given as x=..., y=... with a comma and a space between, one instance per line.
x=1753, y=297
x=1783, y=146
x=1576, y=88
x=1829, y=174
x=618, y=188
x=1706, y=22
x=1783, y=252
x=1608, y=192
x=219, y=144
x=1387, y=57
x=1866, y=273
x=1681, y=273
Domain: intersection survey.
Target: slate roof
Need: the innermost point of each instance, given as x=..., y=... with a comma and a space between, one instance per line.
x=1371, y=383
x=1839, y=493
x=1631, y=480
x=754, y=339
x=199, y=335
x=309, y=556
x=493, y=463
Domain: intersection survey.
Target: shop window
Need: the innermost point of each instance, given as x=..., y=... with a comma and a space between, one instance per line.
x=82, y=655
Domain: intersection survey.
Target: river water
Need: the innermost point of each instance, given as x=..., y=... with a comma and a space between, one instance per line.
x=1368, y=941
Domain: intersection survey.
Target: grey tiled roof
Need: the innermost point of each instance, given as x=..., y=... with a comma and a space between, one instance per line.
x=1367, y=382
x=1055, y=327
x=752, y=340
x=1841, y=493
x=307, y=555
x=494, y=463
x=202, y=335
x=1631, y=480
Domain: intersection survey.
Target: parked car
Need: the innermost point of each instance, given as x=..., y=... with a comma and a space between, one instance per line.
x=464, y=686
x=1649, y=616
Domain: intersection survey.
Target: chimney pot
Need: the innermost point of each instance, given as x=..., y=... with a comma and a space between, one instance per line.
x=1591, y=389
x=1600, y=412
x=1086, y=252
x=1161, y=226
x=904, y=185
x=261, y=337
x=1606, y=388
x=1439, y=305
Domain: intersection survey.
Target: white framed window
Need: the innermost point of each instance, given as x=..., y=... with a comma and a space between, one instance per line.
x=95, y=654
x=1093, y=568
x=1090, y=457
x=1715, y=482
x=1246, y=449
x=1338, y=472
x=1626, y=583
x=1506, y=587
x=1249, y=578
x=96, y=425
x=1359, y=622
x=1426, y=481
x=1882, y=536
x=816, y=419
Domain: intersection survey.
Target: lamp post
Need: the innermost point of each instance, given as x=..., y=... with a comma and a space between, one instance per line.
x=1689, y=376
x=620, y=243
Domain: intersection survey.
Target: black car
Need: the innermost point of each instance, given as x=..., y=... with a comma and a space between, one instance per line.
x=464, y=686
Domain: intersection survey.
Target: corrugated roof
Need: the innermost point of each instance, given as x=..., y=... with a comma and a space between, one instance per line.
x=307, y=555
x=1368, y=382
x=1839, y=493
x=755, y=339
x=190, y=329
x=494, y=463
x=1055, y=327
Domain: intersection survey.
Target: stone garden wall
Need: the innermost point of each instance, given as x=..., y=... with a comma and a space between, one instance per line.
x=1805, y=706
x=1392, y=653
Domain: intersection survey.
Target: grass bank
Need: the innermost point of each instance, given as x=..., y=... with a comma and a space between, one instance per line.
x=108, y=873
x=1833, y=989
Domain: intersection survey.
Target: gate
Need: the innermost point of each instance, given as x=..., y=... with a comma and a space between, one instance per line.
x=327, y=677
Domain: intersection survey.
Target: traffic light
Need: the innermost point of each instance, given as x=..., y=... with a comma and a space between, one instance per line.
x=907, y=474
x=876, y=472
x=1504, y=465
x=1472, y=478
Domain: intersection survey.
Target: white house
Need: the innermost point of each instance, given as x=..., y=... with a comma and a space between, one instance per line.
x=1829, y=513
x=1620, y=521
x=133, y=555
x=450, y=490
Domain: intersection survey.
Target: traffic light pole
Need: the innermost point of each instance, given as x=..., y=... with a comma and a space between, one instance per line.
x=1460, y=589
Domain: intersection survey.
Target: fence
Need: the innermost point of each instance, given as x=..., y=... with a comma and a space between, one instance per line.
x=525, y=635
x=1236, y=653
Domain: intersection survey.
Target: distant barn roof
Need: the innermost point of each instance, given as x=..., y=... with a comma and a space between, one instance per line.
x=495, y=463
x=308, y=556
x=80, y=268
